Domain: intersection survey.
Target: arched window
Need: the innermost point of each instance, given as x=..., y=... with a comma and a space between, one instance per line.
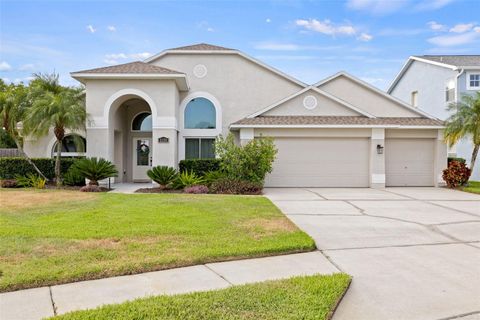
x=142, y=122
x=200, y=114
x=73, y=145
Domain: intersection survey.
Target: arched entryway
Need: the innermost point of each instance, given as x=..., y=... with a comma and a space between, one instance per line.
x=130, y=122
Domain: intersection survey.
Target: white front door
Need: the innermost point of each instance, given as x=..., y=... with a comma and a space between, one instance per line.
x=142, y=158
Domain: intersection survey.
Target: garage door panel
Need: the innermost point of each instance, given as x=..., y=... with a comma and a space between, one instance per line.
x=320, y=162
x=409, y=162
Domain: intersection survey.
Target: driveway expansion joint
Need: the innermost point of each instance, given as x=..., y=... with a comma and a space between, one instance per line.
x=218, y=274
x=54, y=307
x=459, y=316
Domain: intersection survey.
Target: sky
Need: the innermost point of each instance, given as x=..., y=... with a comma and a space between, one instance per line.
x=310, y=40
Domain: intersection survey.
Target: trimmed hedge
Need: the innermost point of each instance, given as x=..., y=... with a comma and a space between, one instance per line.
x=199, y=166
x=10, y=167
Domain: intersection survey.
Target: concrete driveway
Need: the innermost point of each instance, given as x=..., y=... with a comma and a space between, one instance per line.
x=414, y=253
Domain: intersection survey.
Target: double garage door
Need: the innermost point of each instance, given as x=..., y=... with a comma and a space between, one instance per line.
x=345, y=162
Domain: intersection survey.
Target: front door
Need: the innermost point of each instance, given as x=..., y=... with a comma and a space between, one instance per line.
x=142, y=158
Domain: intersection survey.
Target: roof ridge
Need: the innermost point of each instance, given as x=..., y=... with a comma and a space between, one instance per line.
x=201, y=46
x=130, y=67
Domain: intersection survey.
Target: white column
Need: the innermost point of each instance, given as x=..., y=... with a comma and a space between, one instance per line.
x=377, y=158
x=246, y=134
x=440, y=161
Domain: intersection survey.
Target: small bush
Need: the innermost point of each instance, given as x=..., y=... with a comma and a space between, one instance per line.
x=187, y=179
x=9, y=183
x=457, y=174
x=450, y=159
x=163, y=175
x=31, y=181
x=197, y=189
x=96, y=169
x=234, y=186
x=10, y=167
x=73, y=177
x=212, y=176
x=199, y=166
x=91, y=188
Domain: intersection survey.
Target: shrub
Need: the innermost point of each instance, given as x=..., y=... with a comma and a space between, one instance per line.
x=10, y=167
x=456, y=174
x=233, y=186
x=8, y=183
x=199, y=166
x=163, y=175
x=187, y=179
x=31, y=181
x=212, y=176
x=250, y=162
x=73, y=177
x=96, y=169
x=197, y=189
x=450, y=159
x=91, y=188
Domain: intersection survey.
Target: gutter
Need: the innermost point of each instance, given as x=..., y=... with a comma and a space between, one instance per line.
x=456, y=83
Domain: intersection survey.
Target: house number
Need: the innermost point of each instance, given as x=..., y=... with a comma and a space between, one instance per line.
x=163, y=140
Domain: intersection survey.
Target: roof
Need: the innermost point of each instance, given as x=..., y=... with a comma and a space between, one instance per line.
x=135, y=67
x=454, y=60
x=201, y=46
x=271, y=121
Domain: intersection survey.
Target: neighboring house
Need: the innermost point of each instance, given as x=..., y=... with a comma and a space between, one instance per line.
x=339, y=132
x=432, y=82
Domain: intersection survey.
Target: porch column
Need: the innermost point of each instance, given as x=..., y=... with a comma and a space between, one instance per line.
x=440, y=162
x=164, y=147
x=377, y=158
x=246, y=134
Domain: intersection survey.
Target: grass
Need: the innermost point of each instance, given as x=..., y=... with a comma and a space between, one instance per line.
x=308, y=298
x=473, y=187
x=50, y=237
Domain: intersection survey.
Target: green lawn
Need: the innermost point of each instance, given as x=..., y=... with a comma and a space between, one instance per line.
x=473, y=187
x=307, y=298
x=50, y=237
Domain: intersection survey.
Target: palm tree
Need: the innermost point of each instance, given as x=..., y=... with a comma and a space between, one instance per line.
x=57, y=107
x=465, y=122
x=14, y=103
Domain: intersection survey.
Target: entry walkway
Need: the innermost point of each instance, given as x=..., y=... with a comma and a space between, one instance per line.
x=129, y=187
x=48, y=301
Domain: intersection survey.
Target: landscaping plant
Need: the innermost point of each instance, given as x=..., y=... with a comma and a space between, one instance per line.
x=457, y=174
x=235, y=186
x=199, y=166
x=96, y=169
x=212, y=176
x=31, y=181
x=163, y=175
x=187, y=179
x=196, y=189
x=73, y=177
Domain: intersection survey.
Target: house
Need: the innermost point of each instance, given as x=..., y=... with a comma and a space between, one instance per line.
x=433, y=82
x=339, y=132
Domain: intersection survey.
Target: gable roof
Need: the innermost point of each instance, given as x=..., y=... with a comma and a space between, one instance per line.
x=205, y=48
x=453, y=62
x=374, y=89
x=332, y=121
x=319, y=91
x=135, y=67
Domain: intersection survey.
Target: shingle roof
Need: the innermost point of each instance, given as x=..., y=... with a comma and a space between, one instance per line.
x=454, y=60
x=201, y=46
x=132, y=68
x=336, y=120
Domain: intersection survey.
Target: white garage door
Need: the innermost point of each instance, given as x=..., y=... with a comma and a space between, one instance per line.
x=320, y=162
x=409, y=162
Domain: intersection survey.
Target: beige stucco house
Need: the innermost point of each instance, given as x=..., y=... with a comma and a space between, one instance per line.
x=339, y=132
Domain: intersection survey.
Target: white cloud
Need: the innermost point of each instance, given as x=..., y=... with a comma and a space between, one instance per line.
x=462, y=27
x=436, y=26
x=379, y=7
x=116, y=58
x=27, y=67
x=91, y=29
x=268, y=20
x=4, y=66
x=326, y=27
x=279, y=46
x=476, y=29
x=111, y=28
x=205, y=26
x=6, y=80
x=455, y=40
x=365, y=37
x=140, y=55
x=426, y=5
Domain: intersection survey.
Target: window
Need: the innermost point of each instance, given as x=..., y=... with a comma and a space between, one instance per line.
x=450, y=91
x=200, y=114
x=473, y=81
x=73, y=145
x=414, y=100
x=142, y=122
x=199, y=148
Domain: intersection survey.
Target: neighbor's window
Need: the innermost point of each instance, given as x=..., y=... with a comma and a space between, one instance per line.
x=142, y=122
x=414, y=99
x=73, y=145
x=200, y=114
x=473, y=81
x=450, y=91
x=199, y=148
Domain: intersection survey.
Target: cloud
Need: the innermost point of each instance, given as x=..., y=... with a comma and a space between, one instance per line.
x=268, y=20
x=205, y=26
x=379, y=7
x=27, y=67
x=111, y=28
x=451, y=40
x=427, y=5
x=91, y=29
x=116, y=58
x=462, y=27
x=4, y=66
x=282, y=46
x=140, y=55
x=288, y=58
x=326, y=27
x=436, y=26
x=365, y=37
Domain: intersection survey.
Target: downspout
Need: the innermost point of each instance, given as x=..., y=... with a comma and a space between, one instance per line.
x=456, y=83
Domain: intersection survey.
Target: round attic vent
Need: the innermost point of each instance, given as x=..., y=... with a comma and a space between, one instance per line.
x=200, y=71
x=310, y=102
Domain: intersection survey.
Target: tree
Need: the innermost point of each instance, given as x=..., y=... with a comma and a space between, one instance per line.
x=54, y=106
x=14, y=103
x=465, y=122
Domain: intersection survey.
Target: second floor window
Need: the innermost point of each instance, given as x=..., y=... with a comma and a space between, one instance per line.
x=473, y=81
x=450, y=91
x=200, y=113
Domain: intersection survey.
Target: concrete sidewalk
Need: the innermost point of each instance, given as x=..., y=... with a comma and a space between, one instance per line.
x=48, y=301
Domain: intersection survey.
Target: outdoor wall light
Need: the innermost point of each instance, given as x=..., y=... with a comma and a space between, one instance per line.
x=379, y=149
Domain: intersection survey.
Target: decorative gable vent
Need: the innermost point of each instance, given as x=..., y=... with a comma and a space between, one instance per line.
x=310, y=102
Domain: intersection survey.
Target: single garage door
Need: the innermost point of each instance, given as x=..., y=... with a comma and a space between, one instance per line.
x=409, y=162
x=320, y=162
